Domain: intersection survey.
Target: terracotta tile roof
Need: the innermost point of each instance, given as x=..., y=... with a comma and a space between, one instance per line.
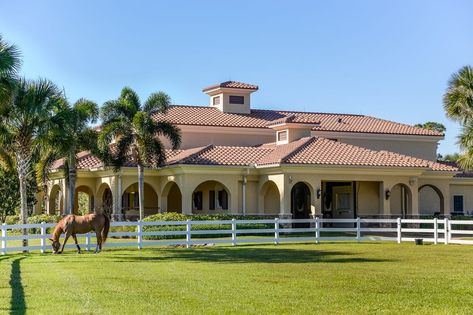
x=226, y=155
x=322, y=151
x=259, y=118
x=232, y=85
x=306, y=151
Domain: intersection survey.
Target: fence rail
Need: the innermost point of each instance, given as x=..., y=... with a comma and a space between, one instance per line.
x=234, y=232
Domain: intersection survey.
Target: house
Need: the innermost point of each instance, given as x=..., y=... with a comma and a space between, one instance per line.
x=236, y=159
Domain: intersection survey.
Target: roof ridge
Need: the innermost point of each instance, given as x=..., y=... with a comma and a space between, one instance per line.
x=297, y=149
x=191, y=156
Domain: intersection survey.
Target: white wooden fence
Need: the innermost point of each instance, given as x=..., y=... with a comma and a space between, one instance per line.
x=276, y=231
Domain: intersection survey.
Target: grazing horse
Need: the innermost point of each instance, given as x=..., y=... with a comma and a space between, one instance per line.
x=74, y=224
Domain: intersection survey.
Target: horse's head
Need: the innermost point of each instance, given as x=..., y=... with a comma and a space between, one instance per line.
x=56, y=245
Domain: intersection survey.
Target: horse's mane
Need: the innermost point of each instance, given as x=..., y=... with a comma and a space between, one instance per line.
x=58, y=230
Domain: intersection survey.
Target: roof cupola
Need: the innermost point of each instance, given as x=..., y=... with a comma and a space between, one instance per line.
x=231, y=96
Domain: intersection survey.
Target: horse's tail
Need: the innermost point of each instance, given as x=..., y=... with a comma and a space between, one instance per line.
x=106, y=228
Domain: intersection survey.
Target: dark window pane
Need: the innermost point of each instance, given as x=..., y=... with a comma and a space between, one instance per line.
x=216, y=100
x=223, y=199
x=212, y=200
x=458, y=204
x=234, y=99
x=197, y=200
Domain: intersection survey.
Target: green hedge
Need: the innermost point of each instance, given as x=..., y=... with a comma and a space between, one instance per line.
x=35, y=219
x=198, y=227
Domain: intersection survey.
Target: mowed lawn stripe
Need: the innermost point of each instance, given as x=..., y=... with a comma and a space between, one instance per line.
x=330, y=278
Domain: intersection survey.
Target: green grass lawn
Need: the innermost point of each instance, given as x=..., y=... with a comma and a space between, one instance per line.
x=329, y=278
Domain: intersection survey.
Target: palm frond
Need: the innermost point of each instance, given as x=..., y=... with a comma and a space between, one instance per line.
x=157, y=102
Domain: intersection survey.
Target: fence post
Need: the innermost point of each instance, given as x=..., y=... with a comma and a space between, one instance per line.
x=317, y=230
x=188, y=233
x=140, y=234
x=358, y=232
x=4, y=241
x=43, y=236
x=87, y=241
x=276, y=231
x=234, y=227
x=445, y=230
x=436, y=231
x=399, y=231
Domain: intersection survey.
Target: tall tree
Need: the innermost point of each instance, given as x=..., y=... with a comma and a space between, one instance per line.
x=458, y=105
x=72, y=136
x=432, y=125
x=25, y=122
x=10, y=63
x=137, y=135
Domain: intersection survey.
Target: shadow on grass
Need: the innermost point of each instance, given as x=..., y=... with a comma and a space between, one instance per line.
x=244, y=255
x=17, y=301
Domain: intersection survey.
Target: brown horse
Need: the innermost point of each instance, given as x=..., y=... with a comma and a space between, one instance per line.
x=74, y=224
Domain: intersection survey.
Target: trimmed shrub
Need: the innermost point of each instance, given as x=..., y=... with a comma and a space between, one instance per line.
x=170, y=216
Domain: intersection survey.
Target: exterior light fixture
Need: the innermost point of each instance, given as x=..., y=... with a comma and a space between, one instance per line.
x=387, y=194
x=290, y=179
x=319, y=193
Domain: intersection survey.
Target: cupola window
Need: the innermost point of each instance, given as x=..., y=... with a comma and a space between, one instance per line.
x=236, y=99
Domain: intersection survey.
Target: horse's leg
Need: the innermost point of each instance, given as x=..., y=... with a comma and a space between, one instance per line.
x=66, y=237
x=99, y=242
x=77, y=244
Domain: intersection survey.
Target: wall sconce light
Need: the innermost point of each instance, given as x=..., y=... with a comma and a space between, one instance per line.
x=290, y=179
x=319, y=193
x=387, y=194
x=412, y=181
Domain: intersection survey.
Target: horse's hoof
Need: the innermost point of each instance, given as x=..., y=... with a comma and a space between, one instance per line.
x=79, y=252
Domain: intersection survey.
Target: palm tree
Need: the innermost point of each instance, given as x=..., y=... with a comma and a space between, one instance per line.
x=130, y=125
x=73, y=136
x=458, y=105
x=25, y=122
x=10, y=63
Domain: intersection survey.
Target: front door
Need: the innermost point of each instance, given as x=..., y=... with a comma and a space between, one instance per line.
x=343, y=207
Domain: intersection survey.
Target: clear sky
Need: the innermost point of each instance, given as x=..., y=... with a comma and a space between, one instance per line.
x=390, y=59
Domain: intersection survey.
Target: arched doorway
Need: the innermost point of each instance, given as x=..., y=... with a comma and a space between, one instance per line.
x=105, y=199
x=401, y=201
x=431, y=200
x=84, y=200
x=270, y=197
x=300, y=201
x=131, y=203
x=172, y=198
x=56, y=200
x=210, y=197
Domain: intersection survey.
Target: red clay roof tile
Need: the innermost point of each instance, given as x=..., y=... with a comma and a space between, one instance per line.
x=259, y=118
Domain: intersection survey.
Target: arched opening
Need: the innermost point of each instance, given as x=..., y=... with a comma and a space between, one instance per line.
x=56, y=200
x=105, y=199
x=270, y=197
x=172, y=198
x=431, y=200
x=210, y=197
x=84, y=200
x=300, y=201
x=401, y=201
x=131, y=201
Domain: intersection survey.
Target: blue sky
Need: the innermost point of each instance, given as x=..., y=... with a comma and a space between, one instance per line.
x=390, y=59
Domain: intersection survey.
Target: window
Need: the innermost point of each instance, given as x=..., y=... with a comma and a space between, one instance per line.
x=197, y=200
x=458, y=203
x=211, y=199
x=282, y=135
x=234, y=99
x=136, y=200
x=223, y=199
x=216, y=100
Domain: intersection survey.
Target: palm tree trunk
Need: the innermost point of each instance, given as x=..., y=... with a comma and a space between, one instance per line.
x=72, y=191
x=141, y=186
x=23, y=203
x=72, y=184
